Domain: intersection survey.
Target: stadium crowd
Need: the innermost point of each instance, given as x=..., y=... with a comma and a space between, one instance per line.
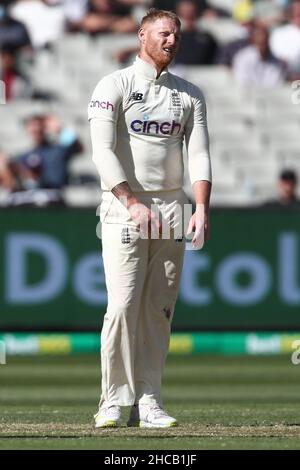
x=39, y=24
x=265, y=53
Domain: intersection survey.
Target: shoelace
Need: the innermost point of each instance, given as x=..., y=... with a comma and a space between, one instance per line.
x=157, y=411
x=113, y=411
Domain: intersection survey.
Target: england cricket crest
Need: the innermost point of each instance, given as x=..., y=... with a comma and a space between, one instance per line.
x=125, y=236
x=175, y=104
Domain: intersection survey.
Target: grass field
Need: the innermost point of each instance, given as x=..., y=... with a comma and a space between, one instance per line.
x=220, y=402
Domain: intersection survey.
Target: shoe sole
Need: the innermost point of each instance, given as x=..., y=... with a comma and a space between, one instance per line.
x=108, y=424
x=145, y=424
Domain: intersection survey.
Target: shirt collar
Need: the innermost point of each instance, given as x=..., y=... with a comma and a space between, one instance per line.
x=147, y=70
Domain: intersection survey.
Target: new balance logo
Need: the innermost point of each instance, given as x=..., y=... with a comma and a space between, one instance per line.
x=136, y=96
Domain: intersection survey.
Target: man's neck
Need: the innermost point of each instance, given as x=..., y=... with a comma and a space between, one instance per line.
x=40, y=142
x=150, y=61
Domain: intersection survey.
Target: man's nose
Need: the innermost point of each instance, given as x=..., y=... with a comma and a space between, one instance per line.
x=172, y=40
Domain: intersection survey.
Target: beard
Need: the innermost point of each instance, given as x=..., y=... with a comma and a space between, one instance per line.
x=158, y=55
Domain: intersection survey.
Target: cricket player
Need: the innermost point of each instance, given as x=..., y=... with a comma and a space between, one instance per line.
x=139, y=118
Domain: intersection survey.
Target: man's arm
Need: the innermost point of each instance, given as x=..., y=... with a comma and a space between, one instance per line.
x=202, y=190
x=197, y=143
x=103, y=116
x=197, y=140
x=103, y=112
x=110, y=169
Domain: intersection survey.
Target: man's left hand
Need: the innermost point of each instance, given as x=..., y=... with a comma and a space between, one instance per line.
x=199, y=224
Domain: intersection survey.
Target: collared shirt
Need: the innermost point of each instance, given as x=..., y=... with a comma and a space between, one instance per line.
x=138, y=125
x=250, y=69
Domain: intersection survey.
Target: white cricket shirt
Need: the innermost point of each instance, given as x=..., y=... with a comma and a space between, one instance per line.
x=138, y=124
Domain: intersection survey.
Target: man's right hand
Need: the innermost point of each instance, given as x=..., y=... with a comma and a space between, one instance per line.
x=145, y=219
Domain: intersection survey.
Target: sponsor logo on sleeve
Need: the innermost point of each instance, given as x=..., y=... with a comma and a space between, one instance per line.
x=102, y=104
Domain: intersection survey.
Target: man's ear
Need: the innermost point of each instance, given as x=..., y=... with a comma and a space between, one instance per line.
x=141, y=35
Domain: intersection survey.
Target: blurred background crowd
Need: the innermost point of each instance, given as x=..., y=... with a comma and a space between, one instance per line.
x=244, y=54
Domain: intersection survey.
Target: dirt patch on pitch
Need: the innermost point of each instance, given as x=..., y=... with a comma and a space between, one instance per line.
x=57, y=430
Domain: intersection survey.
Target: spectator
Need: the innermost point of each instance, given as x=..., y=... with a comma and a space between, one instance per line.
x=108, y=16
x=271, y=12
x=138, y=8
x=13, y=34
x=75, y=11
x=206, y=10
x=255, y=65
x=136, y=3
x=7, y=179
x=227, y=52
x=44, y=19
x=287, y=197
x=16, y=84
x=165, y=4
x=285, y=41
x=45, y=164
x=248, y=14
x=196, y=47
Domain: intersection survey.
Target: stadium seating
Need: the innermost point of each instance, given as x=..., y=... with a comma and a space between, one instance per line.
x=254, y=133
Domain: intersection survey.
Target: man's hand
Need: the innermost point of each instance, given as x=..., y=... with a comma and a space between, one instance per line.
x=199, y=221
x=199, y=224
x=145, y=219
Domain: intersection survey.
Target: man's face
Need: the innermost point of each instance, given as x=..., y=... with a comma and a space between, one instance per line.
x=103, y=6
x=36, y=129
x=260, y=39
x=287, y=188
x=187, y=11
x=295, y=13
x=7, y=60
x=160, y=40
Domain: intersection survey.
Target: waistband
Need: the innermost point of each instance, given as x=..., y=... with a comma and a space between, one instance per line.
x=150, y=193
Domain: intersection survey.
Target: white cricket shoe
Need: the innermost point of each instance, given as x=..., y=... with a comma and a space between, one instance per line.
x=150, y=416
x=108, y=417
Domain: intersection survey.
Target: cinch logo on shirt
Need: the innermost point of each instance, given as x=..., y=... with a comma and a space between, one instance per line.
x=155, y=127
x=102, y=104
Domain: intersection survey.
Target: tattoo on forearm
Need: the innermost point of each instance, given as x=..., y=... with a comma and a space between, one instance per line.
x=122, y=190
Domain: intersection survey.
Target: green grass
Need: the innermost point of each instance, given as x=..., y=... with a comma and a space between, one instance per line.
x=220, y=402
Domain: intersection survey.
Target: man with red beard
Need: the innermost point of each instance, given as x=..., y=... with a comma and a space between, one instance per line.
x=139, y=117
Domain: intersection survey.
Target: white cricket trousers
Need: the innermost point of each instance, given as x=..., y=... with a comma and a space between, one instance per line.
x=142, y=280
